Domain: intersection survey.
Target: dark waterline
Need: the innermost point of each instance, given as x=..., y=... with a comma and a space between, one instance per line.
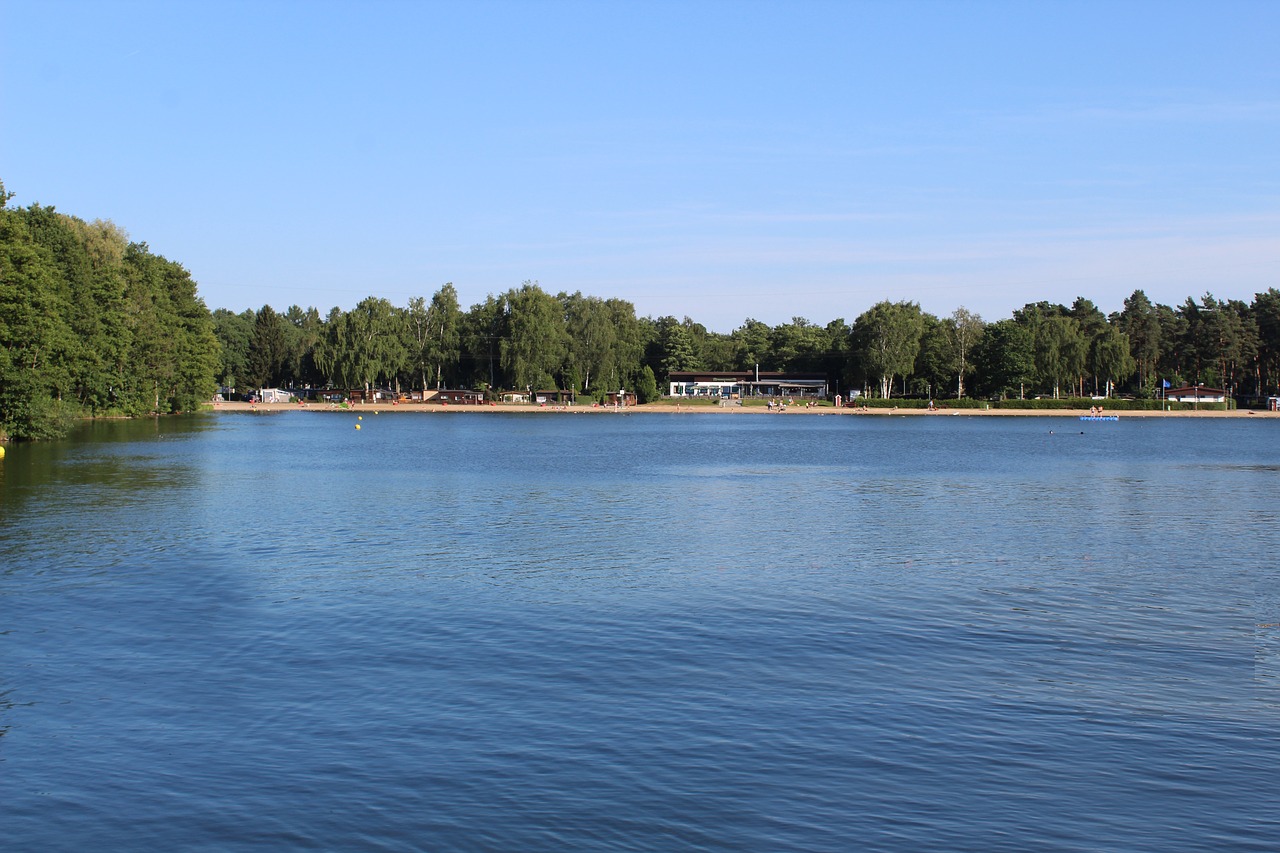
x=621, y=633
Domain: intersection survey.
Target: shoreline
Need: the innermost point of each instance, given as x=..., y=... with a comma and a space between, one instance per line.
x=671, y=409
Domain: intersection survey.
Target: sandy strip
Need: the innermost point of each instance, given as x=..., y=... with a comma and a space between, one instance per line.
x=671, y=408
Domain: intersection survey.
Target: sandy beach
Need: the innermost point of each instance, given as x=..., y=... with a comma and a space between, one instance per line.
x=673, y=409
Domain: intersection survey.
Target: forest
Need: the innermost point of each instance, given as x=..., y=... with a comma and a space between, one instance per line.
x=528, y=338
x=94, y=325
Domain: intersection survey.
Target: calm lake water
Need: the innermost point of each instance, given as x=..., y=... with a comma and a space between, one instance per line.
x=645, y=632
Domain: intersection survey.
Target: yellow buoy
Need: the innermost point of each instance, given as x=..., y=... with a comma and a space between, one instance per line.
x=357, y=426
x=359, y=417
x=1, y=452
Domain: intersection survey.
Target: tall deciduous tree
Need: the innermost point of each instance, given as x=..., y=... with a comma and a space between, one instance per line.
x=752, y=344
x=592, y=337
x=233, y=332
x=1109, y=357
x=483, y=327
x=1059, y=351
x=1004, y=358
x=535, y=348
x=304, y=330
x=886, y=339
x=675, y=347
x=799, y=346
x=36, y=341
x=444, y=321
x=964, y=329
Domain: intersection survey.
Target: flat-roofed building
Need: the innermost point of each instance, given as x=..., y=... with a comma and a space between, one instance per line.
x=746, y=383
x=1196, y=394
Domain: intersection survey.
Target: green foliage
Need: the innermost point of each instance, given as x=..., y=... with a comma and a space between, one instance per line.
x=1141, y=324
x=1266, y=314
x=269, y=350
x=593, y=339
x=90, y=323
x=886, y=341
x=647, y=386
x=1004, y=358
x=93, y=323
x=752, y=344
x=537, y=342
x=675, y=346
x=233, y=332
x=365, y=346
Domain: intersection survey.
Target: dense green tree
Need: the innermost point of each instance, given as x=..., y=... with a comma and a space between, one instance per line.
x=1060, y=349
x=964, y=330
x=593, y=338
x=675, y=347
x=1110, y=358
x=304, y=330
x=433, y=336
x=752, y=344
x=1221, y=338
x=36, y=341
x=626, y=364
x=417, y=329
x=90, y=323
x=799, y=346
x=483, y=327
x=1266, y=316
x=535, y=348
x=444, y=321
x=933, y=367
x=647, y=386
x=1140, y=323
x=97, y=316
x=233, y=332
x=1092, y=324
x=269, y=350
x=174, y=353
x=886, y=340
x=711, y=351
x=1004, y=358
x=364, y=346
x=1176, y=362
x=330, y=358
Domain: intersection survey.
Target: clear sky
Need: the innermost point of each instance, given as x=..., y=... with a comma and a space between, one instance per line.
x=720, y=160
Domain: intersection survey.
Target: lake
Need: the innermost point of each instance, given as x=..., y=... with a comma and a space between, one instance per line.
x=641, y=632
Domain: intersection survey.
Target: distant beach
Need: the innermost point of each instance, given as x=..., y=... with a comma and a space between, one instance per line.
x=673, y=409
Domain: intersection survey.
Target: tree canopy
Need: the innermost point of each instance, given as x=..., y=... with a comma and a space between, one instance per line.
x=92, y=323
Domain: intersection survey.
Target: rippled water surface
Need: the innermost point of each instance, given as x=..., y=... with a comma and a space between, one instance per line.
x=648, y=632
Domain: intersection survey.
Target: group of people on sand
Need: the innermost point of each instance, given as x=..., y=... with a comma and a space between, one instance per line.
x=1095, y=410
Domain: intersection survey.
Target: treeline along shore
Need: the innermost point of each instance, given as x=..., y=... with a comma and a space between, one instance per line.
x=940, y=409
x=94, y=324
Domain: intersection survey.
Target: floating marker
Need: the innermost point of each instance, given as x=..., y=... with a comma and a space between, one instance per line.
x=357, y=426
x=1, y=452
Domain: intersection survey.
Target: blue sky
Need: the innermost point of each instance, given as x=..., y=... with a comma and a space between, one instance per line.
x=720, y=160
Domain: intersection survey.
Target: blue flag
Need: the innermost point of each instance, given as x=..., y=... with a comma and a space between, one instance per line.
x=1166, y=382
